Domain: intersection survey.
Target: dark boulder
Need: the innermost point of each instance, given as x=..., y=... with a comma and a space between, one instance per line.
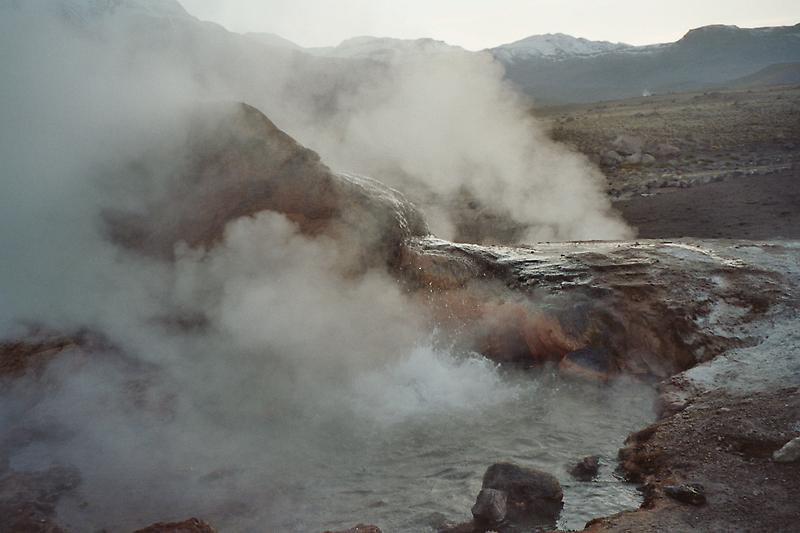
x=586, y=469
x=532, y=496
x=490, y=507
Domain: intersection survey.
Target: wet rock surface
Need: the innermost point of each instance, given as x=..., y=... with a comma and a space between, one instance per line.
x=586, y=469
x=650, y=309
x=532, y=496
x=491, y=507
x=513, y=499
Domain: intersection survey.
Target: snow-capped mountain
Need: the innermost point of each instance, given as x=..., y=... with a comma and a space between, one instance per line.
x=555, y=46
x=560, y=68
x=379, y=48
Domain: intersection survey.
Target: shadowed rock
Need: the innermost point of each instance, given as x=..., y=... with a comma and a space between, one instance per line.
x=490, y=507
x=533, y=497
x=237, y=164
x=586, y=469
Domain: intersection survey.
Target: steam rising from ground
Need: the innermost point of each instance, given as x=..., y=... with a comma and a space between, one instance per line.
x=443, y=121
x=213, y=358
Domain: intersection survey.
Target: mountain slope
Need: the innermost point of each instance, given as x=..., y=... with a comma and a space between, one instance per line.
x=378, y=48
x=704, y=57
x=556, y=46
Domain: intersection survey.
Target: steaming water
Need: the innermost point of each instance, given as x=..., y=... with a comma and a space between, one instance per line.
x=402, y=447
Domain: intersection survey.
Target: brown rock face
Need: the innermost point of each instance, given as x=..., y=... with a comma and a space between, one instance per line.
x=237, y=164
x=19, y=356
x=193, y=525
x=596, y=309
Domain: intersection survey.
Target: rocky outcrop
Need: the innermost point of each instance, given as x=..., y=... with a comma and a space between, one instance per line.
x=597, y=309
x=237, y=164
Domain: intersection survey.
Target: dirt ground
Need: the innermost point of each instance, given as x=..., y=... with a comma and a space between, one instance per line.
x=725, y=444
x=711, y=136
x=753, y=207
x=721, y=164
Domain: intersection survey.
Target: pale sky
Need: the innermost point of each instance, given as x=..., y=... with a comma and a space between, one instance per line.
x=478, y=24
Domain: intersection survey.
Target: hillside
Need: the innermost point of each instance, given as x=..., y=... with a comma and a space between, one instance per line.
x=704, y=57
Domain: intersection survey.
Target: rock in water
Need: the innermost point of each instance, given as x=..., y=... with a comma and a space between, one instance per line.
x=237, y=163
x=586, y=469
x=491, y=506
x=532, y=496
x=789, y=453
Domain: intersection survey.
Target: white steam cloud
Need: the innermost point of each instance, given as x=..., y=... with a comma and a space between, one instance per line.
x=281, y=354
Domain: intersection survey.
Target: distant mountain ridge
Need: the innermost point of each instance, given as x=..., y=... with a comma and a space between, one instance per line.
x=583, y=71
x=368, y=47
x=553, y=68
x=556, y=46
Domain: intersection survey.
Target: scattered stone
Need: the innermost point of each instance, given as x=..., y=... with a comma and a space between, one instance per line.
x=648, y=159
x=666, y=151
x=789, y=453
x=586, y=469
x=193, y=525
x=634, y=159
x=612, y=157
x=628, y=144
x=532, y=496
x=490, y=507
x=691, y=493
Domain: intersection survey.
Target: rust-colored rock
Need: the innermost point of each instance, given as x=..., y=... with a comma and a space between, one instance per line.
x=237, y=164
x=596, y=309
x=19, y=356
